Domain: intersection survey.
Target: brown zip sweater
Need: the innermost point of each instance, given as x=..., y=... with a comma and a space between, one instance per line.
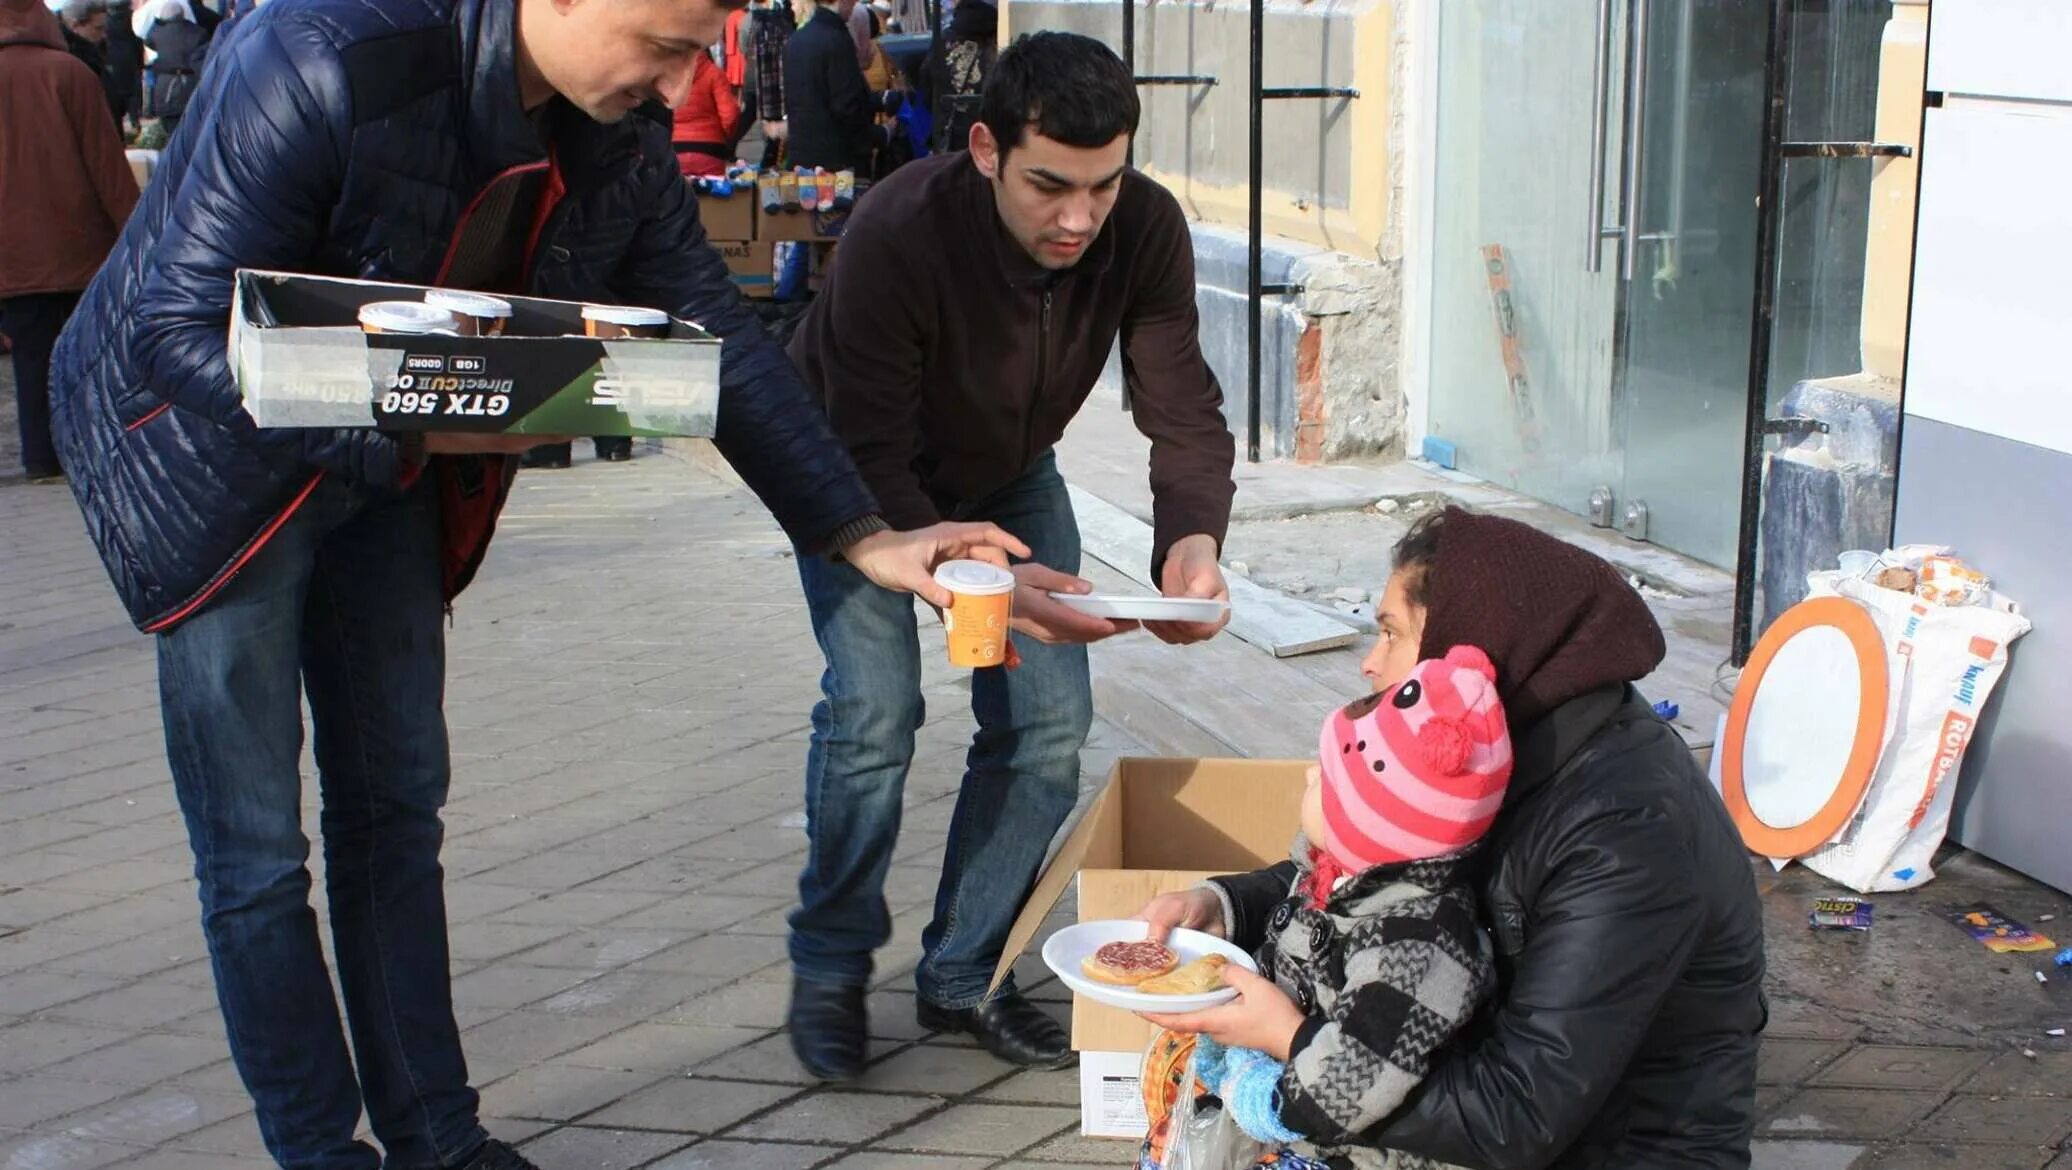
x=949, y=361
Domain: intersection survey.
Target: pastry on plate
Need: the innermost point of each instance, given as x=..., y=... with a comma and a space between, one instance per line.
x=1202, y=975
x=1126, y=964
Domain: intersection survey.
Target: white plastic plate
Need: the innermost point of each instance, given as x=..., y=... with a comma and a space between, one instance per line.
x=1068, y=948
x=1132, y=607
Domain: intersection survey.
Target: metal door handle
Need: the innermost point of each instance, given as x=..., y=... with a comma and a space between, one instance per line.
x=1593, y=244
x=1636, y=141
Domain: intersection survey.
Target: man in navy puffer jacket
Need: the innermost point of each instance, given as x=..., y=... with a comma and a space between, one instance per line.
x=507, y=145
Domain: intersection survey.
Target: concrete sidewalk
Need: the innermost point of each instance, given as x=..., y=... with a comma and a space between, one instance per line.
x=630, y=683
x=629, y=696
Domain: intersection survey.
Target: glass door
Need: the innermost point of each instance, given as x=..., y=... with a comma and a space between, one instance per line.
x=1524, y=310
x=1695, y=160
x=1595, y=216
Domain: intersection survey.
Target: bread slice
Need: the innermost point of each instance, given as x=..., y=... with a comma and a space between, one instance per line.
x=1202, y=975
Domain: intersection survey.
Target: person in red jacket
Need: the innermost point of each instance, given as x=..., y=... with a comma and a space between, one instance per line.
x=705, y=122
x=65, y=192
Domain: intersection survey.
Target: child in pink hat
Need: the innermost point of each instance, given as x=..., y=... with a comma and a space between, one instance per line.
x=1377, y=940
x=1415, y=773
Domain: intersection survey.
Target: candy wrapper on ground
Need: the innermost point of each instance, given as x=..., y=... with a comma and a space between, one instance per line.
x=1997, y=932
x=1840, y=914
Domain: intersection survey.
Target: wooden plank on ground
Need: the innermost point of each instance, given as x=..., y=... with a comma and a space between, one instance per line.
x=1271, y=621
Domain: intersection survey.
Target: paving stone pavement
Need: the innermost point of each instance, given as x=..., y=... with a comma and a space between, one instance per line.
x=629, y=688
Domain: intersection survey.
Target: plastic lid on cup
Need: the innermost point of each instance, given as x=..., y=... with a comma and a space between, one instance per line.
x=467, y=304
x=976, y=578
x=632, y=316
x=407, y=317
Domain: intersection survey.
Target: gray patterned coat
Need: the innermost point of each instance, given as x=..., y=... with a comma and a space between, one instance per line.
x=1387, y=972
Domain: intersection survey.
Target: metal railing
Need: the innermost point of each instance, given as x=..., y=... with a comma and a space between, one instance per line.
x=1258, y=94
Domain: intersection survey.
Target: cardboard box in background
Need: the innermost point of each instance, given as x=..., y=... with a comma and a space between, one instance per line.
x=752, y=265
x=1157, y=826
x=730, y=219
x=302, y=360
x=811, y=226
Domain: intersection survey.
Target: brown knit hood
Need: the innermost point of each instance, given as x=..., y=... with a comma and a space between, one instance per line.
x=1557, y=621
x=28, y=22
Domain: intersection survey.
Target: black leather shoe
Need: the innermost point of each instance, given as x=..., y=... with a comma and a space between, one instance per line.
x=555, y=456
x=1007, y=1026
x=827, y=1023
x=496, y=1155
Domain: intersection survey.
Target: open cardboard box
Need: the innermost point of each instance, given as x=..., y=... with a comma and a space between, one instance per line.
x=1159, y=825
x=302, y=360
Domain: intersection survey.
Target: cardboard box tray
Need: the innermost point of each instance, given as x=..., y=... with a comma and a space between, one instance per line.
x=301, y=360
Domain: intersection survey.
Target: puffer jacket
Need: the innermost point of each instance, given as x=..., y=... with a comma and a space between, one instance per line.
x=181, y=47
x=351, y=138
x=1629, y=958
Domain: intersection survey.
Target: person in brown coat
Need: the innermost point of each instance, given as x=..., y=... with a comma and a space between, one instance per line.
x=65, y=191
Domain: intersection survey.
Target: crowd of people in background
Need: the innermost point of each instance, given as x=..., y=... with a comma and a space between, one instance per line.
x=65, y=189
x=816, y=78
x=148, y=56
x=792, y=83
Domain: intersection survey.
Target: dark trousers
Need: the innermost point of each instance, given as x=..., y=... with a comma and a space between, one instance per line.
x=32, y=324
x=342, y=606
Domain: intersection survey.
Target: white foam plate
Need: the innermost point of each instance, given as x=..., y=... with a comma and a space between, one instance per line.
x=1068, y=948
x=1137, y=608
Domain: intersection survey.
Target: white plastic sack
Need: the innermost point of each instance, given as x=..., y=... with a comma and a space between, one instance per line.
x=1943, y=663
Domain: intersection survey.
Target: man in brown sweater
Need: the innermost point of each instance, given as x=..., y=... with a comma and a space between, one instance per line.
x=974, y=302
x=65, y=192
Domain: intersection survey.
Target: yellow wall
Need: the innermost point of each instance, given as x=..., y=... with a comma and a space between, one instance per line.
x=1889, y=268
x=1296, y=214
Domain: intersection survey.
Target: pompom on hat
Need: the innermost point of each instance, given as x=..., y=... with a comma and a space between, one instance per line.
x=1416, y=771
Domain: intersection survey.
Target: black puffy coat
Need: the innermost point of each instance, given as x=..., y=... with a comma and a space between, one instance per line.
x=181, y=46
x=1629, y=948
x=830, y=113
x=350, y=138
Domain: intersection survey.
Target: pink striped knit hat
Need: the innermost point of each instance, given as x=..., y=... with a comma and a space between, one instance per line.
x=1419, y=770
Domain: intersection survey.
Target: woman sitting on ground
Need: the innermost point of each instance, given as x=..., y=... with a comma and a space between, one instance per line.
x=1622, y=906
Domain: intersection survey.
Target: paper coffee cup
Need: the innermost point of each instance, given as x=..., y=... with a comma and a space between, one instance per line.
x=478, y=315
x=406, y=317
x=981, y=601
x=624, y=321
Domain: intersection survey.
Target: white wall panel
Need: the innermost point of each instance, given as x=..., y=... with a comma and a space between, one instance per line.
x=1991, y=342
x=2001, y=48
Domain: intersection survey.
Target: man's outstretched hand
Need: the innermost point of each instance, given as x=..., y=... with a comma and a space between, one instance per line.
x=1191, y=570
x=906, y=561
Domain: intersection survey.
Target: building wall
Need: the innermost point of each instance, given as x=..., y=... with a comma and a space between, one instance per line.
x=1331, y=206
x=1320, y=189
x=1986, y=449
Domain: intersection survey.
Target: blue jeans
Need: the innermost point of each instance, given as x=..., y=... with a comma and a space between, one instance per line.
x=1021, y=776
x=344, y=602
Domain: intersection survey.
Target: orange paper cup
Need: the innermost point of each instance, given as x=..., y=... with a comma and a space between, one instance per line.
x=981, y=601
